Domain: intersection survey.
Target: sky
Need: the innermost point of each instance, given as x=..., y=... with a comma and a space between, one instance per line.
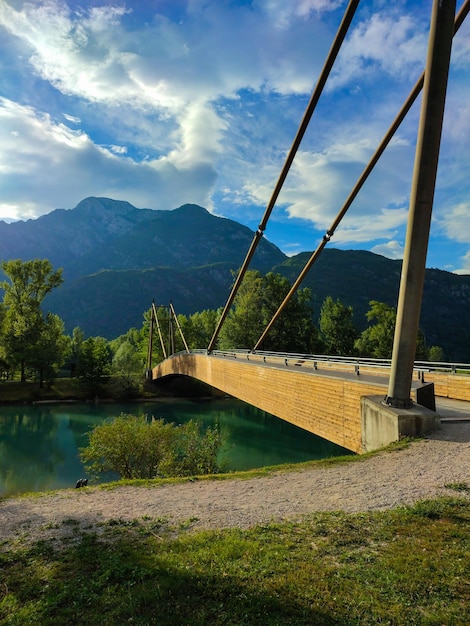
x=167, y=102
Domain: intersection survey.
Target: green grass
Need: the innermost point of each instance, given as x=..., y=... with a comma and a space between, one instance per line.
x=404, y=566
x=61, y=389
x=460, y=486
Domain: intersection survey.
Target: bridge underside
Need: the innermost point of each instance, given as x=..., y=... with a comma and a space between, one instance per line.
x=343, y=408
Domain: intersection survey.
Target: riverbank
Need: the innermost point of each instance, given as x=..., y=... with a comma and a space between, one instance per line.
x=438, y=465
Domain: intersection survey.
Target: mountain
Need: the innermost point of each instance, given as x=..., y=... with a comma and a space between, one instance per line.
x=358, y=276
x=186, y=237
x=63, y=236
x=104, y=234
x=117, y=258
x=112, y=301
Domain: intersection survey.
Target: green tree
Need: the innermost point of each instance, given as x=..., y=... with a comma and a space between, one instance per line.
x=254, y=306
x=244, y=323
x=192, y=452
x=128, y=366
x=377, y=340
x=75, y=348
x=336, y=327
x=199, y=327
x=26, y=286
x=94, y=366
x=51, y=349
x=435, y=354
x=136, y=447
x=294, y=330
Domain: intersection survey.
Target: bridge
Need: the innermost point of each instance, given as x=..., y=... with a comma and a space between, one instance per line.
x=338, y=399
x=361, y=404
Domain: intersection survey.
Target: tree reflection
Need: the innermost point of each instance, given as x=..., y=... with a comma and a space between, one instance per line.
x=29, y=449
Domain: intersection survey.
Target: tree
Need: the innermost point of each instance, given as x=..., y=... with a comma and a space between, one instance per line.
x=94, y=365
x=138, y=447
x=435, y=354
x=294, y=330
x=128, y=366
x=51, y=349
x=377, y=340
x=244, y=323
x=199, y=327
x=75, y=348
x=26, y=286
x=336, y=327
x=254, y=306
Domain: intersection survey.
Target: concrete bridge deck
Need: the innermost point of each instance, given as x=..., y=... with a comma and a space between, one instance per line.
x=336, y=401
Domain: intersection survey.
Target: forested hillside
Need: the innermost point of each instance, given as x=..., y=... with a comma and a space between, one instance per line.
x=117, y=258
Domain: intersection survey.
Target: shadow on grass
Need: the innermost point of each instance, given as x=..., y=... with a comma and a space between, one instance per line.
x=109, y=583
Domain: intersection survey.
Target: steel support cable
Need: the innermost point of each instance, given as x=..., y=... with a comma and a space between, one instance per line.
x=334, y=50
x=357, y=187
x=179, y=328
x=154, y=310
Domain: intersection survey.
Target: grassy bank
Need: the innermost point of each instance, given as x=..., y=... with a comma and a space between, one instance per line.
x=66, y=389
x=60, y=390
x=404, y=566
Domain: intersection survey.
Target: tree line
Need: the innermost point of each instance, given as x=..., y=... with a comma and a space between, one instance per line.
x=34, y=346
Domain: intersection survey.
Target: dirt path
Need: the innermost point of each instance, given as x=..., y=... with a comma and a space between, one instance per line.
x=386, y=480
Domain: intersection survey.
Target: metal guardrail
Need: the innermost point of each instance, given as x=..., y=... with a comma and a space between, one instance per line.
x=317, y=360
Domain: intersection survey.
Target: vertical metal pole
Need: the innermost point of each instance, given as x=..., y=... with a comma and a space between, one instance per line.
x=150, y=344
x=421, y=201
x=171, y=329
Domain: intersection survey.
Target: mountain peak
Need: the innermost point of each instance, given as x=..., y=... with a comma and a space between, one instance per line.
x=95, y=204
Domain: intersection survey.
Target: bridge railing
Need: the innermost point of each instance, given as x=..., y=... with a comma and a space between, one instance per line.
x=324, y=361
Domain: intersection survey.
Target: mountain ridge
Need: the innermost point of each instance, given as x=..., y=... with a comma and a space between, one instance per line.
x=117, y=258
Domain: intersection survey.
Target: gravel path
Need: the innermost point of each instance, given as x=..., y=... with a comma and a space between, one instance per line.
x=385, y=480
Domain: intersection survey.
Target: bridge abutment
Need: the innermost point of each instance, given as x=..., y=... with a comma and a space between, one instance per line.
x=383, y=424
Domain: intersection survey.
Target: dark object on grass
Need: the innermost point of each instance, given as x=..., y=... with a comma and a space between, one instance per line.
x=81, y=482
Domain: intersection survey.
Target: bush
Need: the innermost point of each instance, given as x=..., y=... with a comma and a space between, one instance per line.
x=135, y=447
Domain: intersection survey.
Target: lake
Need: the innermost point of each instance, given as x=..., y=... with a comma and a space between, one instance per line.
x=39, y=444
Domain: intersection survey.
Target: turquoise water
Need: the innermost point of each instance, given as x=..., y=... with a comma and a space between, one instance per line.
x=39, y=444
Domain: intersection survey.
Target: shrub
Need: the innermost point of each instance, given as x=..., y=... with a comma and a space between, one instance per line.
x=136, y=447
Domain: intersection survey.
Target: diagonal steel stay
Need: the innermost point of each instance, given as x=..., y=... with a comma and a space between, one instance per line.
x=172, y=310
x=362, y=179
x=155, y=316
x=341, y=34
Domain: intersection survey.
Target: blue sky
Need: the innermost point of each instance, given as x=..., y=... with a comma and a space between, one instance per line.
x=164, y=102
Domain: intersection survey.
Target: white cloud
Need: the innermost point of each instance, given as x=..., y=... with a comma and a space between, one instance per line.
x=320, y=183
x=391, y=249
x=71, y=118
x=281, y=13
x=199, y=135
x=383, y=44
x=365, y=228
x=54, y=165
x=456, y=222
x=118, y=149
x=201, y=102
x=465, y=269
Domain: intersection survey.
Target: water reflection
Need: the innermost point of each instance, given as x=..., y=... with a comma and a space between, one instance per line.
x=39, y=444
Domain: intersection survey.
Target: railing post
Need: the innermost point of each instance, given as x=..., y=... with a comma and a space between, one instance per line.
x=421, y=201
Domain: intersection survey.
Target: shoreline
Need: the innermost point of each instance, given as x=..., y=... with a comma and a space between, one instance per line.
x=427, y=468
